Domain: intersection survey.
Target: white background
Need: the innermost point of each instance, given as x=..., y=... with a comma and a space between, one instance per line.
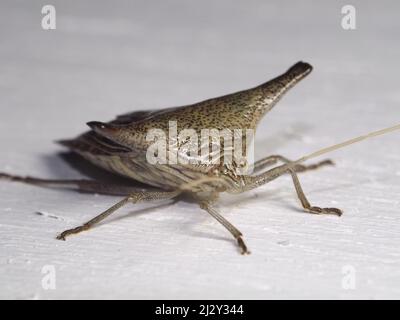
x=107, y=58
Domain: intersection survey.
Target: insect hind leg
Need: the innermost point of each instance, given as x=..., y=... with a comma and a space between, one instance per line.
x=82, y=185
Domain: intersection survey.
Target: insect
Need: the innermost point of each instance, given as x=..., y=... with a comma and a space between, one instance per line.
x=120, y=146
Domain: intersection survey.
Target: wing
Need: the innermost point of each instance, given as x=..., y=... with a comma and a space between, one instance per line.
x=143, y=115
x=91, y=142
x=98, y=144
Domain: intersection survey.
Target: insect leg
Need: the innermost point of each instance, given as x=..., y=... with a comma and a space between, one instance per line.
x=230, y=227
x=133, y=198
x=271, y=160
x=91, y=186
x=306, y=204
x=251, y=182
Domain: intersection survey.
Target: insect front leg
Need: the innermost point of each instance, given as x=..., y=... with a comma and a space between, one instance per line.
x=132, y=198
x=206, y=205
x=252, y=182
x=306, y=204
x=271, y=160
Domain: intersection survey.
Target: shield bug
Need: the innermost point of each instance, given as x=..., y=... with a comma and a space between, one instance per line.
x=122, y=147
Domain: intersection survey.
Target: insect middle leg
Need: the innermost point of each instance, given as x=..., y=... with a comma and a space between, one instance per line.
x=252, y=182
x=132, y=198
x=271, y=160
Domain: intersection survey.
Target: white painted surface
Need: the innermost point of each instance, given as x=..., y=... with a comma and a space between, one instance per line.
x=106, y=59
